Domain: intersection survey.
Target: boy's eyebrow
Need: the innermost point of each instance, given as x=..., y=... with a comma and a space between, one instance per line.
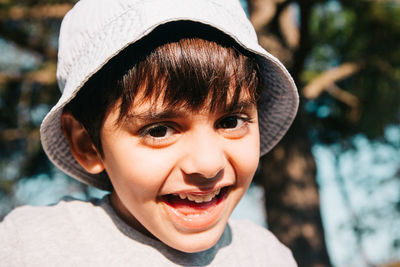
x=168, y=113
x=155, y=115
x=240, y=105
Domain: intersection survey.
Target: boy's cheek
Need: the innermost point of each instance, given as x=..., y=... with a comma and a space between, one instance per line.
x=131, y=169
x=247, y=154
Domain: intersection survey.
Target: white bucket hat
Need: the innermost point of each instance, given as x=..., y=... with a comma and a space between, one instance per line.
x=94, y=31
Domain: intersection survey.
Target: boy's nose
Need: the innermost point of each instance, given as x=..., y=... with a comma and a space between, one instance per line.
x=205, y=156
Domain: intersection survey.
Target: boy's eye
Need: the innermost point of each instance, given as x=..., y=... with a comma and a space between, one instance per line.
x=158, y=131
x=231, y=122
x=158, y=135
x=234, y=126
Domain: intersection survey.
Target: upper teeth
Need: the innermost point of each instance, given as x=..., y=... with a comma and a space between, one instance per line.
x=197, y=198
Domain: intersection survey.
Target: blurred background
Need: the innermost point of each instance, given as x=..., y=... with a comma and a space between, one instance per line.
x=330, y=190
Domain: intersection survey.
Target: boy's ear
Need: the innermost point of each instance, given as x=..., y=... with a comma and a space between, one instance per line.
x=81, y=144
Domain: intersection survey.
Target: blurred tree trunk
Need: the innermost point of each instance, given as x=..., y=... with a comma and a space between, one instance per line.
x=291, y=198
x=288, y=172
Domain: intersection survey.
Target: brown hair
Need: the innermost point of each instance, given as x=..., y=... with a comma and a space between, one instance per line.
x=178, y=69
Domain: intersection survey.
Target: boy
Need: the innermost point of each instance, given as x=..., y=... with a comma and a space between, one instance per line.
x=166, y=104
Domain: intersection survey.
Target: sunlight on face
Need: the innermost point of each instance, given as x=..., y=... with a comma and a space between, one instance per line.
x=178, y=174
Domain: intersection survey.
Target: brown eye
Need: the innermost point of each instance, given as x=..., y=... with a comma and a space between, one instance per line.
x=228, y=122
x=159, y=135
x=234, y=125
x=158, y=131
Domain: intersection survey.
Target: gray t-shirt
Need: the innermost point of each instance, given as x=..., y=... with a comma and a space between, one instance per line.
x=78, y=233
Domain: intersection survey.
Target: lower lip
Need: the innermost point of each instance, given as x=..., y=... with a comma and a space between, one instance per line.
x=196, y=217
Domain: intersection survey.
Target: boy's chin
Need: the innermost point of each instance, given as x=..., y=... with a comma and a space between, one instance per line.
x=195, y=248
x=197, y=242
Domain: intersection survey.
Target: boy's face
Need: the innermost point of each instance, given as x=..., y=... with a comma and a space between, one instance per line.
x=178, y=174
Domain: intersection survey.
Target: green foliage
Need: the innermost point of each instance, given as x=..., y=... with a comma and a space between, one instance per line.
x=367, y=33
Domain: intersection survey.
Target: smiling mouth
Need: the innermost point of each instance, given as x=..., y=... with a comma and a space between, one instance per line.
x=199, y=198
x=195, y=211
x=195, y=201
